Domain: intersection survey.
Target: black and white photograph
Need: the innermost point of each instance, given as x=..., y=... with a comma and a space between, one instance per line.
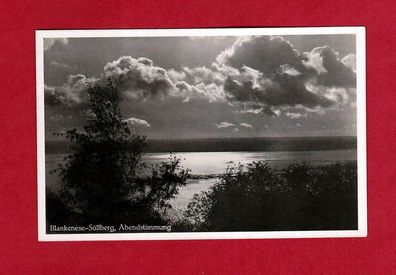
x=201, y=133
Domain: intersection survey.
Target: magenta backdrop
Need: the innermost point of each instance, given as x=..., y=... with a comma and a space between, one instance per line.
x=21, y=253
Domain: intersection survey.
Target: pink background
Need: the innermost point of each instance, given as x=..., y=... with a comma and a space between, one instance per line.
x=21, y=253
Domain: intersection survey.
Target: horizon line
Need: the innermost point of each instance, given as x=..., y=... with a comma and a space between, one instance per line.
x=213, y=138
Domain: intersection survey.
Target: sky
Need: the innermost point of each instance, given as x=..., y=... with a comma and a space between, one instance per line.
x=209, y=87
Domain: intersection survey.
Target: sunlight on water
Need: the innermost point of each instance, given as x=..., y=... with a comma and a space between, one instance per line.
x=205, y=163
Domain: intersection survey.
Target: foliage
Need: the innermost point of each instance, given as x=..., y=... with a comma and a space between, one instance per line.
x=257, y=197
x=104, y=180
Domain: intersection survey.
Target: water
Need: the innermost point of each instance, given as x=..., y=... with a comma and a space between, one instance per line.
x=206, y=163
x=209, y=163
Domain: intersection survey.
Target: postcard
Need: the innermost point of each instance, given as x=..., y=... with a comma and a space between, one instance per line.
x=179, y=134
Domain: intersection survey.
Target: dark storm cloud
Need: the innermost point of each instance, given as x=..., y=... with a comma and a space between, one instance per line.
x=282, y=75
x=263, y=53
x=281, y=91
x=269, y=55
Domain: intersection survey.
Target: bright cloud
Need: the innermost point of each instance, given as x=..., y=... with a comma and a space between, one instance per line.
x=247, y=125
x=225, y=125
x=137, y=122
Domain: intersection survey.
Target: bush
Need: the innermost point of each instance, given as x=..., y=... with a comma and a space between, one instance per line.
x=259, y=198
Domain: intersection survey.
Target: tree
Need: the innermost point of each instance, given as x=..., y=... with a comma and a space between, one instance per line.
x=104, y=180
x=260, y=198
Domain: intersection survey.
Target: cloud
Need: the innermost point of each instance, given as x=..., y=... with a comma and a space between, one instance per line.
x=295, y=115
x=275, y=112
x=286, y=69
x=224, y=125
x=263, y=53
x=247, y=125
x=60, y=65
x=139, y=78
x=331, y=71
x=252, y=111
x=137, y=122
x=350, y=62
x=341, y=95
x=49, y=42
x=258, y=74
x=314, y=60
x=273, y=73
x=284, y=91
x=257, y=109
x=197, y=75
x=210, y=92
x=69, y=94
x=176, y=76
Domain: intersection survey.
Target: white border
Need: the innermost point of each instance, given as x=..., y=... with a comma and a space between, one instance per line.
x=360, y=33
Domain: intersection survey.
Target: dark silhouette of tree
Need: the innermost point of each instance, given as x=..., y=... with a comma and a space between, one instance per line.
x=104, y=180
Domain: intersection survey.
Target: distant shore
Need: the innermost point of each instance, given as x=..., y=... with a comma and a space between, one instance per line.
x=231, y=144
